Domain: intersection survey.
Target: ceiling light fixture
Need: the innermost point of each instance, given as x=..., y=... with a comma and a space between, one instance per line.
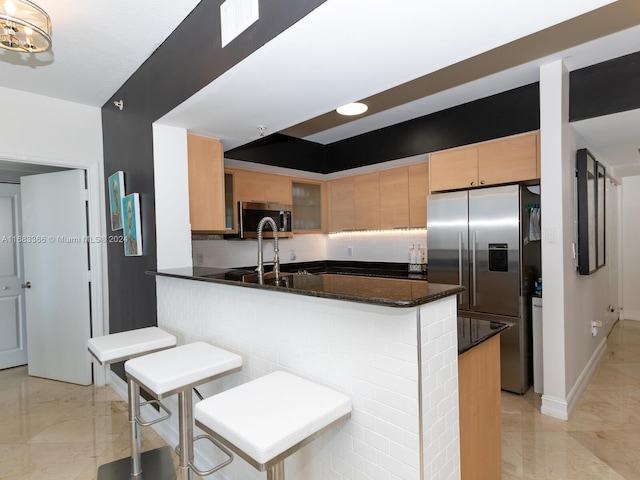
x=24, y=27
x=352, y=109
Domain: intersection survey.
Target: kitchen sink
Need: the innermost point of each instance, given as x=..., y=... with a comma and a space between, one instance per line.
x=269, y=278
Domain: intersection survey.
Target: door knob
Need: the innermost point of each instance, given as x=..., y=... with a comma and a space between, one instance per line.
x=26, y=285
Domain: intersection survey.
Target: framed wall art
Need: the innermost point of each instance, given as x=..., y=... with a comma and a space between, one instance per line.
x=132, y=230
x=116, y=193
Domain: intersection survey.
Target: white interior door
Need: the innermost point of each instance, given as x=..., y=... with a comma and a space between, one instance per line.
x=56, y=261
x=13, y=346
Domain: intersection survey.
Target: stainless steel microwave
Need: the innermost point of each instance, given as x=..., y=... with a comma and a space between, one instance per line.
x=250, y=214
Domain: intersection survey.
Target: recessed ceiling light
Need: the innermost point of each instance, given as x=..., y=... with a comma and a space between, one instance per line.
x=352, y=109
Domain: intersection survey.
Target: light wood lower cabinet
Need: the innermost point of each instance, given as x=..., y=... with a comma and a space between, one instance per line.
x=206, y=184
x=480, y=411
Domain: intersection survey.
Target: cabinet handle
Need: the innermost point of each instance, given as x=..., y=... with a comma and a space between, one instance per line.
x=481, y=182
x=473, y=183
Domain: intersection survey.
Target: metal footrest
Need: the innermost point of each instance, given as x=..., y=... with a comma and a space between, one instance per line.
x=225, y=450
x=145, y=423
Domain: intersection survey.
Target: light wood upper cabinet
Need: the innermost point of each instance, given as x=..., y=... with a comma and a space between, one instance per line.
x=418, y=192
x=367, y=201
x=341, y=200
x=453, y=169
x=394, y=198
x=206, y=184
x=388, y=199
x=507, y=160
x=504, y=160
x=262, y=187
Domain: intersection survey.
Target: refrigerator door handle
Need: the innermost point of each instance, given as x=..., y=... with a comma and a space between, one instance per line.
x=474, y=290
x=460, y=265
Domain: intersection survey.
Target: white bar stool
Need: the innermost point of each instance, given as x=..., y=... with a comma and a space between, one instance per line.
x=118, y=347
x=266, y=420
x=179, y=370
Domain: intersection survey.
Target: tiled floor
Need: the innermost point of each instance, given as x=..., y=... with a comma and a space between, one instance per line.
x=56, y=431
x=600, y=441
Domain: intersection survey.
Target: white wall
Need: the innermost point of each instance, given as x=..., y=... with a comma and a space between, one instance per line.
x=48, y=131
x=571, y=301
x=630, y=247
x=369, y=246
x=171, y=180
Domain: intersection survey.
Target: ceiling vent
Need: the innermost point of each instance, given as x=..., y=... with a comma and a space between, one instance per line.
x=235, y=17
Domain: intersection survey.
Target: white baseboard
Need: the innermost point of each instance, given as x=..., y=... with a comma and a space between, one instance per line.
x=631, y=315
x=561, y=408
x=554, y=407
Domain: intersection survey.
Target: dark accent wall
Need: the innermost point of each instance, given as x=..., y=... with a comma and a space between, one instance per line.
x=605, y=88
x=282, y=151
x=508, y=113
x=188, y=60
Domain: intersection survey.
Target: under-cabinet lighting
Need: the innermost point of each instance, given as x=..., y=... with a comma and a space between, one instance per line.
x=395, y=231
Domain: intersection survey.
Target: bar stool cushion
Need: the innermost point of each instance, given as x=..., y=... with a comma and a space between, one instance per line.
x=171, y=370
x=124, y=345
x=267, y=416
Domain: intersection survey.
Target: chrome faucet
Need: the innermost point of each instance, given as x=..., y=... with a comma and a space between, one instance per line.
x=276, y=259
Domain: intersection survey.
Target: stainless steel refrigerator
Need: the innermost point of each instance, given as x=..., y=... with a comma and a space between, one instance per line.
x=483, y=239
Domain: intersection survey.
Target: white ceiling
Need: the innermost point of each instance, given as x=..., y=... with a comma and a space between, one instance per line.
x=341, y=52
x=96, y=46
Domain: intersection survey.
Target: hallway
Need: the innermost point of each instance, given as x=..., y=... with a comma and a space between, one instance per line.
x=600, y=441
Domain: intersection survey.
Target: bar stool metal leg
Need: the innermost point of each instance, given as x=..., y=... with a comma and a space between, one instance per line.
x=276, y=472
x=185, y=427
x=134, y=428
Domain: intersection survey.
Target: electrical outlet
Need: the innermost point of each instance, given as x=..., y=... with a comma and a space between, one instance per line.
x=199, y=259
x=350, y=251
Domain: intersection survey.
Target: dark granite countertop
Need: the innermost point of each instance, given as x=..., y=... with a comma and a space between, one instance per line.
x=474, y=331
x=373, y=290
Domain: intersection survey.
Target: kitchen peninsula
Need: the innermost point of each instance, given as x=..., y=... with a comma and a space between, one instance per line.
x=390, y=344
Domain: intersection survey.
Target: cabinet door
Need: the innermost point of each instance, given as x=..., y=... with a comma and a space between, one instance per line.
x=394, y=198
x=453, y=169
x=307, y=206
x=508, y=160
x=262, y=187
x=418, y=192
x=480, y=411
x=206, y=184
x=342, y=204
x=278, y=188
x=367, y=201
x=250, y=186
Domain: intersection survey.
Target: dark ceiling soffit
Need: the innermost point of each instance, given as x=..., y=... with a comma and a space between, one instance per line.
x=598, y=23
x=605, y=88
x=282, y=151
x=506, y=113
